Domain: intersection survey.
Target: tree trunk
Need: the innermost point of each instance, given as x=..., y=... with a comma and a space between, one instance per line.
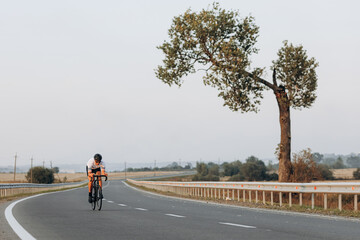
x=285, y=167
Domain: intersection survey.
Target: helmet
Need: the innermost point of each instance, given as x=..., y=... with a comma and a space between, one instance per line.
x=97, y=157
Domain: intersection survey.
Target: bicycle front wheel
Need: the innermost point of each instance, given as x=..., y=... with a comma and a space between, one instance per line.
x=93, y=195
x=99, y=197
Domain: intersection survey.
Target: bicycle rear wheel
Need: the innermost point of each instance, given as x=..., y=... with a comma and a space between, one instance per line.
x=93, y=194
x=99, y=199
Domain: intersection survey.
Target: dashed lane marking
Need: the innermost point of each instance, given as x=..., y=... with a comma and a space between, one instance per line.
x=123, y=205
x=141, y=209
x=237, y=225
x=174, y=215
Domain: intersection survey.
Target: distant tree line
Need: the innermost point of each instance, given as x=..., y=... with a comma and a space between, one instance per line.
x=252, y=170
x=338, y=162
x=174, y=166
x=304, y=169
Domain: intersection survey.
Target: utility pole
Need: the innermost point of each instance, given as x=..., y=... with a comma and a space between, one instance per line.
x=50, y=164
x=43, y=164
x=15, y=166
x=31, y=169
x=125, y=171
x=154, y=168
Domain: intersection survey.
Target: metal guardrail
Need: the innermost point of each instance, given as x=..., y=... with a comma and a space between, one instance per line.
x=12, y=189
x=247, y=191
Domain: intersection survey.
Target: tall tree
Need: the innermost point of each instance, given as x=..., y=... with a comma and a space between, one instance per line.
x=223, y=43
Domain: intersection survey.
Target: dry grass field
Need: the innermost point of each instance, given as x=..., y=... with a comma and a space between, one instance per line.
x=346, y=173
x=78, y=177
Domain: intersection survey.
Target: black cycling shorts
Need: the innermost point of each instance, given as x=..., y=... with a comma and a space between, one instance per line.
x=95, y=170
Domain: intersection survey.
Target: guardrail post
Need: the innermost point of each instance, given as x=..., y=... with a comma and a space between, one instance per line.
x=312, y=200
x=228, y=193
x=249, y=196
x=300, y=199
x=223, y=190
x=233, y=194
x=340, y=202
x=244, y=197
x=256, y=196
x=355, y=202
x=238, y=193
x=272, y=198
x=264, y=200
x=325, y=201
x=219, y=193
x=290, y=200
x=280, y=198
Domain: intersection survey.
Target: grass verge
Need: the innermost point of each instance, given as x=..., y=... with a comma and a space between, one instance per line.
x=21, y=195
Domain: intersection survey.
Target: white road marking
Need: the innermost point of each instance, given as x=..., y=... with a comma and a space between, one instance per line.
x=18, y=229
x=174, y=215
x=110, y=201
x=123, y=205
x=141, y=209
x=237, y=225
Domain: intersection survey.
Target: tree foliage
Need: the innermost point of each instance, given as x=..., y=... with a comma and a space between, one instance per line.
x=353, y=161
x=40, y=175
x=207, y=172
x=296, y=72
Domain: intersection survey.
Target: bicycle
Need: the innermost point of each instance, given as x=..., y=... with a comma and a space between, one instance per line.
x=96, y=192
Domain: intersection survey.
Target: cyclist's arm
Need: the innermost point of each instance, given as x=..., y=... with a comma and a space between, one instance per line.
x=103, y=172
x=89, y=168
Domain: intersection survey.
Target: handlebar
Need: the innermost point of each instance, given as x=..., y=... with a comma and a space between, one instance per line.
x=99, y=176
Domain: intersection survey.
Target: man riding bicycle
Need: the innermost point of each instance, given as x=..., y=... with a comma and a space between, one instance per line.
x=94, y=166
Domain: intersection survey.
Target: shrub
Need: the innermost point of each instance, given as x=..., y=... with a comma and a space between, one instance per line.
x=325, y=172
x=356, y=174
x=40, y=175
x=305, y=169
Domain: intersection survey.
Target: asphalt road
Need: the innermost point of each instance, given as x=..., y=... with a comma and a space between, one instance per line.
x=132, y=214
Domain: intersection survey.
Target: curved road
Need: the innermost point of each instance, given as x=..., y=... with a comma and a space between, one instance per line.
x=133, y=214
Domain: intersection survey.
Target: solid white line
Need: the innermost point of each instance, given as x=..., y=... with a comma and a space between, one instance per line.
x=237, y=225
x=18, y=229
x=174, y=215
x=141, y=209
x=123, y=205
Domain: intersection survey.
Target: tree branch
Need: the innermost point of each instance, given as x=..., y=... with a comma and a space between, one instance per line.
x=274, y=77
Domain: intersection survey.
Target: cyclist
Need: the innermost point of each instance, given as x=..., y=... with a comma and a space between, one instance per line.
x=95, y=165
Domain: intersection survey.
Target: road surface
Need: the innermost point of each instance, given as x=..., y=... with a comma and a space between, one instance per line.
x=134, y=214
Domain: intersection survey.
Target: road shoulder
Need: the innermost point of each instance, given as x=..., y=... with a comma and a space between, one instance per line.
x=6, y=232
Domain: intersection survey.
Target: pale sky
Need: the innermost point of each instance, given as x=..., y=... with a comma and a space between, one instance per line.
x=77, y=77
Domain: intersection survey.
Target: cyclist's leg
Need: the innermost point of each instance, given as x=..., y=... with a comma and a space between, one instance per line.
x=90, y=187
